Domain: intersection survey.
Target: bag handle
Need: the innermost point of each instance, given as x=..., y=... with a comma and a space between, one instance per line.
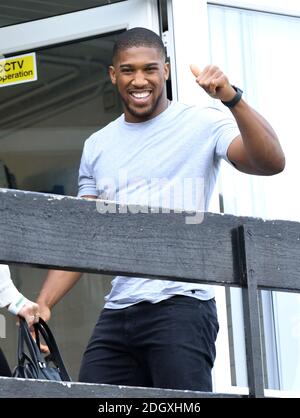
x=54, y=355
x=25, y=338
x=37, y=359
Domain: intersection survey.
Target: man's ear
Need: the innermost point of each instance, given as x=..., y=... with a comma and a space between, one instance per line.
x=112, y=74
x=166, y=70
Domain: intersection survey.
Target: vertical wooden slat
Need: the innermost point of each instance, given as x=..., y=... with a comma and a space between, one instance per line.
x=251, y=314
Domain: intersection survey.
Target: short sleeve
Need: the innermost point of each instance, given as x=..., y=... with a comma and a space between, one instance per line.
x=86, y=180
x=224, y=130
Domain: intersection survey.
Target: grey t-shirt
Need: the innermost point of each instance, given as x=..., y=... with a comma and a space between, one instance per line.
x=169, y=161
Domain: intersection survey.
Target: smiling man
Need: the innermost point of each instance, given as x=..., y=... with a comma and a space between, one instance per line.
x=161, y=333
x=140, y=81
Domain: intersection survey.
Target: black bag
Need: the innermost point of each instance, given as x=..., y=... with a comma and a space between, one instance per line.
x=31, y=362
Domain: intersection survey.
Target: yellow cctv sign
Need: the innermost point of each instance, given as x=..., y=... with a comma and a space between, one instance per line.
x=19, y=69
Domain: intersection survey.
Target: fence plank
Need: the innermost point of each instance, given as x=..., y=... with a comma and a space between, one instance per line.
x=274, y=253
x=69, y=233
x=25, y=388
x=44, y=230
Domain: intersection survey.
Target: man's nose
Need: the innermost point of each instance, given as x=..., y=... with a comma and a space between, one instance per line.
x=139, y=79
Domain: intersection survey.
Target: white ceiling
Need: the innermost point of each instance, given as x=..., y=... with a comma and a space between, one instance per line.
x=18, y=11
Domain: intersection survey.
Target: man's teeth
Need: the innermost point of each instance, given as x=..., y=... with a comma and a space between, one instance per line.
x=141, y=95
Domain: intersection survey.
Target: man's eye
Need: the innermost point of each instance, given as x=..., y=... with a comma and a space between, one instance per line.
x=126, y=70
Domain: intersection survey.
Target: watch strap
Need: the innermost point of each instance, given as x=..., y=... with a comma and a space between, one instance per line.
x=235, y=99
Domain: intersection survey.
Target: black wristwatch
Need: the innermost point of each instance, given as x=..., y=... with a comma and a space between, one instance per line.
x=236, y=98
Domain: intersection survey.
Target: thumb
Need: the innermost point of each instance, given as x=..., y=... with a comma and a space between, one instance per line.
x=195, y=70
x=43, y=347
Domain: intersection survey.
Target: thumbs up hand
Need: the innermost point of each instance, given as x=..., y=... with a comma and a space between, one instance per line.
x=214, y=82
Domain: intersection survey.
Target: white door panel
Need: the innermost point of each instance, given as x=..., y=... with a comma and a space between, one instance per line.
x=43, y=126
x=78, y=25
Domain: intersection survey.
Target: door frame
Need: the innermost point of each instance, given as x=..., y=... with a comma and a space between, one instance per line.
x=79, y=25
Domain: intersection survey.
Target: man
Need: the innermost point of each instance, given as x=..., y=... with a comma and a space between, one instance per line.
x=160, y=333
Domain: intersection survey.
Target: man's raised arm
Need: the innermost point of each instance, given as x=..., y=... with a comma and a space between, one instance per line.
x=257, y=150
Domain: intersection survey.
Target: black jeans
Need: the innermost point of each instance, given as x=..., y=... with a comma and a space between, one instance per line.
x=170, y=344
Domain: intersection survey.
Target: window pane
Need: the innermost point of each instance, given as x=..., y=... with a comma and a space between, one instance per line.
x=44, y=123
x=43, y=126
x=259, y=53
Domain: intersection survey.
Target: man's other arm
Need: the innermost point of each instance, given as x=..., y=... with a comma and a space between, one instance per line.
x=56, y=285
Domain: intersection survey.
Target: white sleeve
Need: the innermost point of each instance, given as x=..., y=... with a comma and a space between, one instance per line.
x=86, y=181
x=224, y=131
x=8, y=291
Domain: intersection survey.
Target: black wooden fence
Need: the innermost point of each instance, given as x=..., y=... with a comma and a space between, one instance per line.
x=69, y=233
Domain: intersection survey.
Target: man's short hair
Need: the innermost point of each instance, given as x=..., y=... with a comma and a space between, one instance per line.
x=137, y=37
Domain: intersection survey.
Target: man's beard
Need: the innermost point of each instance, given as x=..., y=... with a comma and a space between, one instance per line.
x=143, y=114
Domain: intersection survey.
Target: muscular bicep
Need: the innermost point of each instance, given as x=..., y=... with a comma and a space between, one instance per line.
x=237, y=154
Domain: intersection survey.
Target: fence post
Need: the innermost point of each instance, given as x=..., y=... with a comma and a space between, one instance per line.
x=251, y=312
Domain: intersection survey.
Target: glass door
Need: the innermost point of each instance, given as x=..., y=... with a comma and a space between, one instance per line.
x=44, y=122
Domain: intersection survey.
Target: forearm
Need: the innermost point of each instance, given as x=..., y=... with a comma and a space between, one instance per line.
x=259, y=139
x=56, y=285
